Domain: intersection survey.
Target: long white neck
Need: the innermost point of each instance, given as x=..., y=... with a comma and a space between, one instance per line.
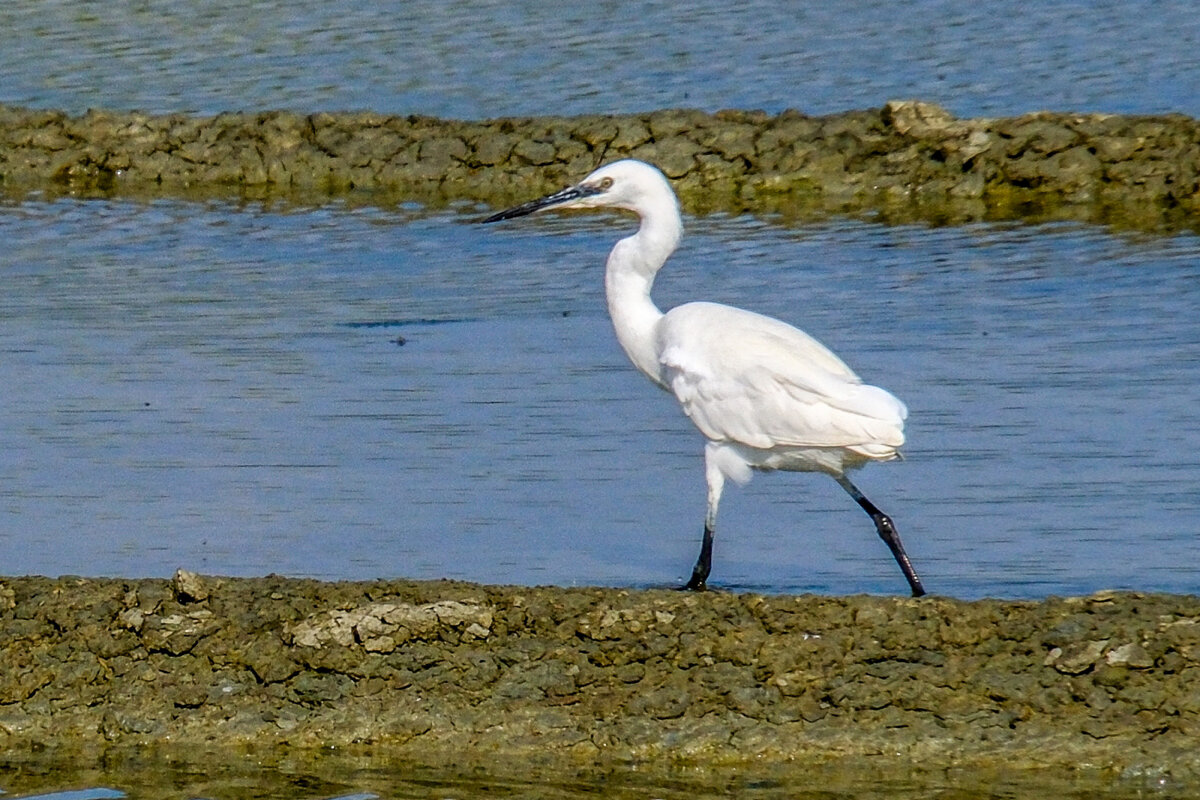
x=629, y=276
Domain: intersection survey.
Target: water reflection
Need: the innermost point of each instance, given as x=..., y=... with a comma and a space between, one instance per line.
x=224, y=776
x=220, y=388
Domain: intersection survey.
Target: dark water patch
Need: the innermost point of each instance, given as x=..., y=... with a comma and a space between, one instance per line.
x=401, y=323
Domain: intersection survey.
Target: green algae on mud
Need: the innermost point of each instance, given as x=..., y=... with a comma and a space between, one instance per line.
x=442, y=672
x=906, y=161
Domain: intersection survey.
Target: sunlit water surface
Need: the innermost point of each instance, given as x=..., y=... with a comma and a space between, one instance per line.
x=222, y=388
x=486, y=58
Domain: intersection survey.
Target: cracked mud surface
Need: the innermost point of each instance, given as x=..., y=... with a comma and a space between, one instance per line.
x=428, y=671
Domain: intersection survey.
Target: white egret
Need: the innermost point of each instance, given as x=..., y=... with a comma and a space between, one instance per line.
x=766, y=395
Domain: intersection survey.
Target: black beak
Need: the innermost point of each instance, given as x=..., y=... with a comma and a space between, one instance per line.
x=549, y=201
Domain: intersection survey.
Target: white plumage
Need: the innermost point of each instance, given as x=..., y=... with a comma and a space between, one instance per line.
x=766, y=395
x=750, y=379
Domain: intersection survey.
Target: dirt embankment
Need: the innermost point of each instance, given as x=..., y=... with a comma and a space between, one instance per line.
x=429, y=671
x=908, y=160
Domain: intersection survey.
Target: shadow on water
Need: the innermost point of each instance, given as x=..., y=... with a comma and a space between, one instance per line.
x=222, y=775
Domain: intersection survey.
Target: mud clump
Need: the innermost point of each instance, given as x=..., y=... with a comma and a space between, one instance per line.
x=907, y=160
x=427, y=670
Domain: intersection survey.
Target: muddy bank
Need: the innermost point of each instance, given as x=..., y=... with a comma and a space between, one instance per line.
x=440, y=671
x=908, y=160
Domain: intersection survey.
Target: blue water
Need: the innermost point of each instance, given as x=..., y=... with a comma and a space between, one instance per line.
x=221, y=388
x=77, y=794
x=490, y=58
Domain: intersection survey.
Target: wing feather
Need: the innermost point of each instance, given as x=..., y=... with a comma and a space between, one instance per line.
x=754, y=380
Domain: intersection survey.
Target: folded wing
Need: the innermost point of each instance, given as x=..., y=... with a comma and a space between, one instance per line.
x=742, y=377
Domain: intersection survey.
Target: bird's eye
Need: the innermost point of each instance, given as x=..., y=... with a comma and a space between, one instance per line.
x=605, y=184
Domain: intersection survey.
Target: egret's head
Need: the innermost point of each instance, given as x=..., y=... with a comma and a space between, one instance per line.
x=628, y=184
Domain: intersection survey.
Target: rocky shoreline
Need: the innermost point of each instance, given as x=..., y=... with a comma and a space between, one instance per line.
x=435, y=672
x=906, y=161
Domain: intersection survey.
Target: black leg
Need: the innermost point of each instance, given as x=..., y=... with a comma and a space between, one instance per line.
x=699, y=579
x=887, y=532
